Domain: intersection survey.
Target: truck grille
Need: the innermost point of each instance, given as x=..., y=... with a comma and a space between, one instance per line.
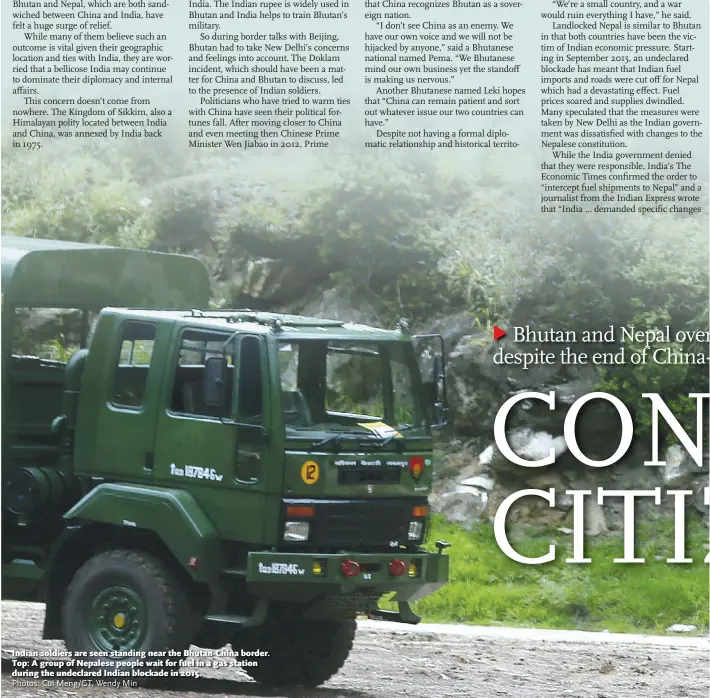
x=357, y=523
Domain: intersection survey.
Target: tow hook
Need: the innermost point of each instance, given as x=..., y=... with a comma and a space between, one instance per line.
x=441, y=545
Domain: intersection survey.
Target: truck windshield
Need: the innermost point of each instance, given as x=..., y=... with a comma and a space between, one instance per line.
x=334, y=385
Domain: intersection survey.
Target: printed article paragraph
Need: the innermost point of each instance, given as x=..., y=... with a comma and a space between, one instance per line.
x=611, y=95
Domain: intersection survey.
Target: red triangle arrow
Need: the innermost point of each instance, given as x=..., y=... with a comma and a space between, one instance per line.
x=498, y=333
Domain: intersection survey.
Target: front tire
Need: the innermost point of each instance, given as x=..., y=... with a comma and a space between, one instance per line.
x=300, y=653
x=125, y=601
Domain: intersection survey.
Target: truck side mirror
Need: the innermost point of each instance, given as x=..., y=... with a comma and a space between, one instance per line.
x=435, y=388
x=441, y=410
x=430, y=393
x=215, y=384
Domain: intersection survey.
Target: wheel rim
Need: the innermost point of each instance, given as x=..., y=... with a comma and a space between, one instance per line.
x=118, y=619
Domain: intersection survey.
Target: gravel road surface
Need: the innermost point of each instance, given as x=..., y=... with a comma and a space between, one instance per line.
x=429, y=662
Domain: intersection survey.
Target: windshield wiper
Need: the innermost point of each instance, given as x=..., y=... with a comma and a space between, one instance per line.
x=369, y=437
x=335, y=438
x=392, y=437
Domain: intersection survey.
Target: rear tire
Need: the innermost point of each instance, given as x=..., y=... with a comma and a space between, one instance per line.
x=126, y=601
x=300, y=653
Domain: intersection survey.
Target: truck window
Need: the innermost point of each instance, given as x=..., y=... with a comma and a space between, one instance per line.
x=355, y=379
x=250, y=381
x=296, y=411
x=187, y=395
x=325, y=383
x=134, y=357
x=51, y=334
x=403, y=386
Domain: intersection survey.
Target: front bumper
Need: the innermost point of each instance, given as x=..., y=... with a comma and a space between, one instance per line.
x=291, y=576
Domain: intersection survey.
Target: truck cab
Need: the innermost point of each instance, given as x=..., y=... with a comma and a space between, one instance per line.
x=244, y=475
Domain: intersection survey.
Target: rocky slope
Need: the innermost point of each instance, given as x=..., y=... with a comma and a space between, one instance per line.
x=474, y=476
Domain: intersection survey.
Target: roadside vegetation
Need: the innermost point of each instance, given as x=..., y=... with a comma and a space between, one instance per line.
x=488, y=588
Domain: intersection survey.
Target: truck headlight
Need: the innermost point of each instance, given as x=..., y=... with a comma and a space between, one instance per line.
x=416, y=528
x=297, y=531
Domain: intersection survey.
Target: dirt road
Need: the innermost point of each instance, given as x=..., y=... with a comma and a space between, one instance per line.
x=438, y=663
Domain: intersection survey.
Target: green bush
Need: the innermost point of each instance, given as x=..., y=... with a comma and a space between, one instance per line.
x=73, y=196
x=576, y=271
x=674, y=382
x=376, y=218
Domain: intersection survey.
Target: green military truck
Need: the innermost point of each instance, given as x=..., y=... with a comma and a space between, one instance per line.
x=177, y=476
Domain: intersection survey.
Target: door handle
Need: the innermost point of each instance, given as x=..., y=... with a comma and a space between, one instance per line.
x=249, y=455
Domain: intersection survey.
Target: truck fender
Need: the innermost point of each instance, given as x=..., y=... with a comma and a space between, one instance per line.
x=171, y=514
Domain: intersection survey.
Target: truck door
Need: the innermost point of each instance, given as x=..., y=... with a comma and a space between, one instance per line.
x=203, y=448
x=125, y=421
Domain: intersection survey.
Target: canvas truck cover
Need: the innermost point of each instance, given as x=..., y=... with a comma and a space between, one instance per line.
x=53, y=273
